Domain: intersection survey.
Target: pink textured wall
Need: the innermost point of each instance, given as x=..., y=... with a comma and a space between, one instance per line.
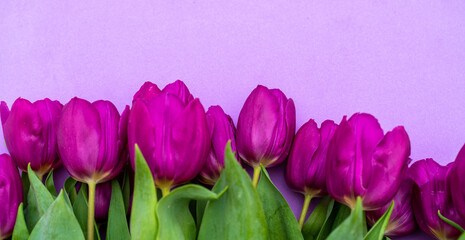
x=403, y=61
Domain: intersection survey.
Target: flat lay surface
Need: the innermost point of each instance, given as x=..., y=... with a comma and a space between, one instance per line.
x=402, y=62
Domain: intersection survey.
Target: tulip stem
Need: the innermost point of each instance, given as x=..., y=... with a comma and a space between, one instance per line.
x=303, y=214
x=90, y=213
x=256, y=176
x=165, y=191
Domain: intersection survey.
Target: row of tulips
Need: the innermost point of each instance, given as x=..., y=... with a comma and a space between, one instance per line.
x=354, y=162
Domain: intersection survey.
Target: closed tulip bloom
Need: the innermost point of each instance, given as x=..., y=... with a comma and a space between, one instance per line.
x=222, y=130
x=363, y=162
x=147, y=92
x=102, y=201
x=430, y=194
x=92, y=140
x=172, y=134
x=306, y=172
x=401, y=221
x=265, y=128
x=457, y=178
x=30, y=133
x=11, y=195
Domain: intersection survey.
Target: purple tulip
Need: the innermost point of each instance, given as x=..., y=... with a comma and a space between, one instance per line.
x=102, y=200
x=306, y=171
x=92, y=140
x=363, y=162
x=457, y=178
x=11, y=195
x=402, y=221
x=430, y=194
x=222, y=130
x=30, y=133
x=266, y=127
x=146, y=92
x=172, y=133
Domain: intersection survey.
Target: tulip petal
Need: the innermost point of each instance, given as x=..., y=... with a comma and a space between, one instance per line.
x=147, y=92
x=390, y=164
x=4, y=112
x=191, y=139
x=305, y=145
x=11, y=195
x=78, y=137
x=457, y=179
x=179, y=89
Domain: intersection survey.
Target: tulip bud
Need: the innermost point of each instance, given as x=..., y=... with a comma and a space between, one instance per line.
x=172, y=135
x=222, y=130
x=102, y=200
x=11, y=195
x=30, y=133
x=306, y=171
x=146, y=92
x=457, y=178
x=363, y=162
x=266, y=127
x=179, y=89
x=401, y=221
x=92, y=140
x=430, y=194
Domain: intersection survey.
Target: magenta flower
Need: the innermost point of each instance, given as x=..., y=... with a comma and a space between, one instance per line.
x=402, y=221
x=102, y=200
x=30, y=133
x=457, y=178
x=430, y=194
x=266, y=127
x=11, y=195
x=222, y=130
x=306, y=172
x=92, y=140
x=363, y=162
x=171, y=131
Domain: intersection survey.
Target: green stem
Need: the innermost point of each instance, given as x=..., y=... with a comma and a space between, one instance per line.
x=256, y=176
x=303, y=214
x=91, y=211
x=165, y=191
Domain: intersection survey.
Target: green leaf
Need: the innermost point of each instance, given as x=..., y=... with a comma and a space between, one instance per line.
x=58, y=222
x=20, y=231
x=126, y=188
x=282, y=223
x=377, y=231
x=144, y=223
x=50, y=184
x=176, y=221
x=317, y=218
x=70, y=187
x=450, y=222
x=462, y=237
x=26, y=186
x=353, y=226
x=335, y=216
x=117, y=227
x=199, y=211
x=238, y=214
x=80, y=208
x=38, y=200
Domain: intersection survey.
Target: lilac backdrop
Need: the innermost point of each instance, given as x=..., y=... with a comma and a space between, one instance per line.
x=401, y=61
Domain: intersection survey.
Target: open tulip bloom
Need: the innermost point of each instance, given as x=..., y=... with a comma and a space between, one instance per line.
x=359, y=171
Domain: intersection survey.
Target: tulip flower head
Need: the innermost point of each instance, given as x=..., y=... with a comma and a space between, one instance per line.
x=430, y=194
x=266, y=127
x=171, y=131
x=364, y=162
x=92, y=140
x=222, y=130
x=11, y=195
x=30, y=133
x=306, y=166
x=401, y=221
x=457, y=178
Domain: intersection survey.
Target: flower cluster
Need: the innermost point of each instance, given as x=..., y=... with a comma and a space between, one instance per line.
x=353, y=162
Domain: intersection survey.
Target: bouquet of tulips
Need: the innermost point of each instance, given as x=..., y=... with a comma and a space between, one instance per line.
x=166, y=169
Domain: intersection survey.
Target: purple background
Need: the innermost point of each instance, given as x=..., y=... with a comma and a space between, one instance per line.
x=402, y=61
